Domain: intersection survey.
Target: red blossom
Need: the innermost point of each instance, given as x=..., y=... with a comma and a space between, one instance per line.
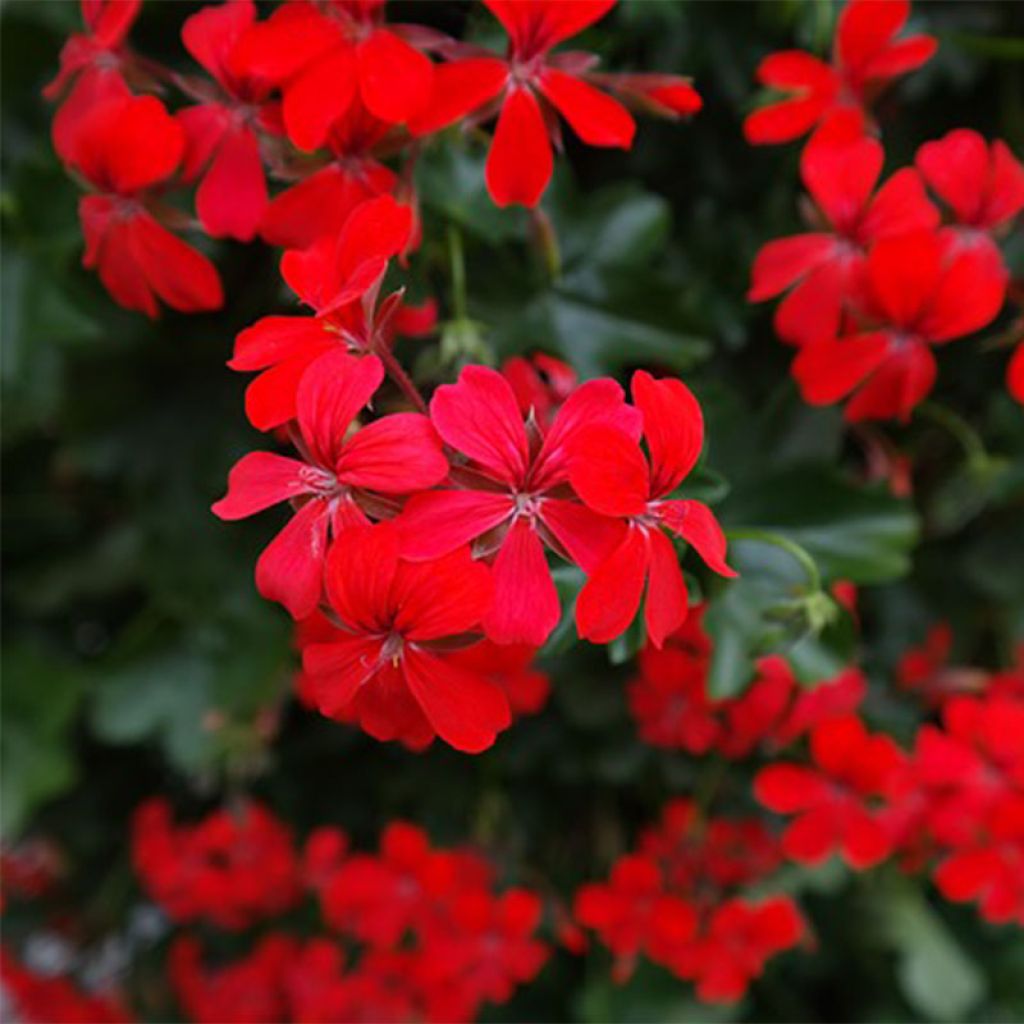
x=339, y=482
x=866, y=57
x=124, y=147
x=387, y=663
x=613, y=477
x=512, y=497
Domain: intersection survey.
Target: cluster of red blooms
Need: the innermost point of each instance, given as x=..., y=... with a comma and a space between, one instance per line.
x=412, y=933
x=955, y=801
x=884, y=275
x=669, y=700
x=416, y=533
x=321, y=97
x=678, y=899
x=37, y=998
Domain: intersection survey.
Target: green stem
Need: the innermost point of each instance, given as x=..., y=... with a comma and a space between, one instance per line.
x=796, y=551
x=958, y=427
x=458, y=269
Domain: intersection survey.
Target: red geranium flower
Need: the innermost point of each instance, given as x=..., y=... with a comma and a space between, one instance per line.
x=541, y=384
x=851, y=765
x=323, y=57
x=513, y=495
x=511, y=667
x=337, y=278
x=90, y=67
x=124, y=147
x=819, y=268
x=223, y=144
x=611, y=475
x=338, y=481
x=386, y=656
x=535, y=86
x=866, y=57
x=919, y=290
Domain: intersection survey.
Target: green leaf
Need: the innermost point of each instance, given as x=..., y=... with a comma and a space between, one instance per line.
x=853, y=532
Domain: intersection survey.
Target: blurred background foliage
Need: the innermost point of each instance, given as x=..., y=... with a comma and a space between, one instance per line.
x=137, y=656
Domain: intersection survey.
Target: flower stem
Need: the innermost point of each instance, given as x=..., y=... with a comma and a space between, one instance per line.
x=965, y=435
x=458, y=269
x=394, y=370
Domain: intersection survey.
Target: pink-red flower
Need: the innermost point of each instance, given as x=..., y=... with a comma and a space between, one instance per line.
x=388, y=656
x=340, y=480
x=612, y=476
x=866, y=57
x=125, y=147
x=918, y=290
x=819, y=269
x=510, y=495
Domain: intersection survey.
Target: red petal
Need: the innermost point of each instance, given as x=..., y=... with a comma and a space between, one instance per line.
x=291, y=568
x=1015, y=374
x=332, y=392
x=905, y=377
x=666, y=604
x=587, y=537
x=609, y=472
x=594, y=116
x=782, y=122
x=317, y=97
x=108, y=248
x=697, y=525
x=827, y=371
x=459, y=87
x=293, y=37
x=395, y=79
x=339, y=668
x=813, y=309
x=956, y=167
x=520, y=163
x=257, y=481
x=270, y=398
x=611, y=596
x=211, y=34
x=1006, y=186
x=182, y=276
x=361, y=570
x=794, y=69
x=276, y=338
x=811, y=838
x=436, y=522
x=597, y=402
x=969, y=295
x=841, y=177
x=444, y=597
x=233, y=194
x=899, y=58
x=204, y=125
x=865, y=27
x=782, y=262
x=479, y=417
x=525, y=608
x=394, y=455
x=789, y=788
x=673, y=428
x=901, y=206
x=865, y=843
x=466, y=710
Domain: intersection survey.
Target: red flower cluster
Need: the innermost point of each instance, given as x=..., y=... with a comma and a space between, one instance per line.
x=670, y=702
x=33, y=998
x=415, y=934
x=232, y=869
x=881, y=279
x=332, y=78
x=446, y=564
x=678, y=900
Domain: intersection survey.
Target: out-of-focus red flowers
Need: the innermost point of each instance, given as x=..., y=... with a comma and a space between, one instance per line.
x=867, y=55
x=34, y=998
x=413, y=933
x=232, y=869
x=678, y=900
